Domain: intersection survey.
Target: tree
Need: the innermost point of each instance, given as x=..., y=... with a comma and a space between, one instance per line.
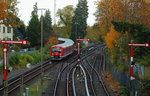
x=133, y=11
x=65, y=20
x=47, y=28
x=3, y=7
x=12, y=12
x=53, y=40
x=94, y=33
x=79, y=21
x=108, y=11
x=111, y=38
x=138, y=33
x=65, y=15
x=19, y=32
x=33, y=29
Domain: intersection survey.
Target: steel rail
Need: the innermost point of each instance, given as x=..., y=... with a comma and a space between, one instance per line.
x=61, y=72
x=73, y=83
x=85, y=77
x=100, y=79
x=87, y=91
x=27, y=76
x=90, y=75
x=59, y=75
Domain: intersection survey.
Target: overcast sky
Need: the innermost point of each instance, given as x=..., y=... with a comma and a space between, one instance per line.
x=26, y=6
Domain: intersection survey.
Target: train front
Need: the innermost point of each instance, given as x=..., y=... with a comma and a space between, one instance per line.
x=56, y=52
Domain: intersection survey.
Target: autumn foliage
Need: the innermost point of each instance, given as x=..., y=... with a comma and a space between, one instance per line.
x=93, y=33
x=133, y=11
x=9, y=12
x=3, y=7
x=52, y=41
x=111, y=38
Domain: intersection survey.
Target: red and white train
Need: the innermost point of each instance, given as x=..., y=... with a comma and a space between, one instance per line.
x=62, y=50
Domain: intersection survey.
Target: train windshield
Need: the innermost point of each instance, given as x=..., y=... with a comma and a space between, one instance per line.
x=56, y=49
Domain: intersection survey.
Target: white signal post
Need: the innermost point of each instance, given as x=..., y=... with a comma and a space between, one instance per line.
x=79, y=41
x=5, y=50
x=132, y=45
x=131, y=55
x=5, y=61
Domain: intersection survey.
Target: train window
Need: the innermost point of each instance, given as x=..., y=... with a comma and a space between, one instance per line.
x=65, y=50
x=56, y=49
x=69, y=48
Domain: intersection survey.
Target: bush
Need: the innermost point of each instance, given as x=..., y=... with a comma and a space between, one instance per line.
x=18, y=60
x=124, y=91
x=28, y=58
x=36, y=56
x=144, y=86
x=13, y=60
x=145, y=61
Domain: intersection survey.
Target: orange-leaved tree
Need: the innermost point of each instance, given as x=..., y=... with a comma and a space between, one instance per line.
x=111, y=38
x=12, y=12
x=52, y=41
x=133, y=11
x=3, y=7
x=108, y=11
x=143, y=12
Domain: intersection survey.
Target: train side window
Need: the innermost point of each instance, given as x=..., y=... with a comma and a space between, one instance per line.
x=70, y=48
x=65, y=50
x=60, y=50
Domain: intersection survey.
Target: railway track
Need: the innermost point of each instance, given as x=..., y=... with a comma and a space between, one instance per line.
x=95, y=82
x=92, y=82
x=16, y=83
x=64, y=75
x=62, y=82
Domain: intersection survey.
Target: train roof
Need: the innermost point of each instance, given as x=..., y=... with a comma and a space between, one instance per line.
x=67, y=42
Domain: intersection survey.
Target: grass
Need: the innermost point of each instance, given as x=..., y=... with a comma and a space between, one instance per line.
x=36, y=89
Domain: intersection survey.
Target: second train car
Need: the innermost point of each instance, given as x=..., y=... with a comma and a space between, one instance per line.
x=62, y=50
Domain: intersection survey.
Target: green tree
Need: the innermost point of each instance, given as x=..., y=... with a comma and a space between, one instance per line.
x=79, y=21
x=33, y=29
x=65, y=20
x=65, y=15
x=47, y=29
x=94, y=33
x=137, y=33
x=19, y=32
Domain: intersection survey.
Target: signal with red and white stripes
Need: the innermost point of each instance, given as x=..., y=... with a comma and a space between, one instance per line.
x=136, y=44
x=23, y=42
x=5, y=50
x=131, y=55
